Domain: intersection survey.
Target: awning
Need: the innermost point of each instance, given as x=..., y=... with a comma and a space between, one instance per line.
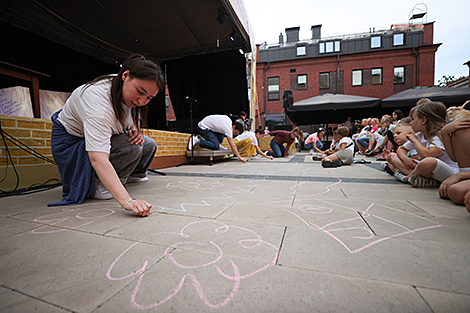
x=409, y=97
x=332, y=108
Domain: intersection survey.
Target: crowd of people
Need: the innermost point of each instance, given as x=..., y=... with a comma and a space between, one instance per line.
x=98, y=147
x=429, y=148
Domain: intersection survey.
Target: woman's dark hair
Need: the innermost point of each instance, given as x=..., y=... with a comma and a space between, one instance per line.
x=139, y=67
x=399, y=114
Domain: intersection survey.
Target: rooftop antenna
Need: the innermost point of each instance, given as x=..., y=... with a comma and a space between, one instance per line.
x=419, y=11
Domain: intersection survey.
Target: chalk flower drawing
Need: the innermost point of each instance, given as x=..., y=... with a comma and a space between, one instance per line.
x=214, y=237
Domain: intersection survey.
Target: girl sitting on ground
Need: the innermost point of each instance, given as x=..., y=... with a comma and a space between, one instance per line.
x=343, y=153
x=363, y=142
x=435, y=165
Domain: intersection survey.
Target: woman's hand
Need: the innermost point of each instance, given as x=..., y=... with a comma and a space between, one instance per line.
x=139, y=207
x=136, y=138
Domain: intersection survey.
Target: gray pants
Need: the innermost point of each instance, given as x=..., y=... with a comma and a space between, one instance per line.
x=129, y=159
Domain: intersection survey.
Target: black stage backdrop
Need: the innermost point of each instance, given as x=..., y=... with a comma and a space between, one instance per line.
x=217, y=81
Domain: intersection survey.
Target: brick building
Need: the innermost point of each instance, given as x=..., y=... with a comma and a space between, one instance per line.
x=375, y=64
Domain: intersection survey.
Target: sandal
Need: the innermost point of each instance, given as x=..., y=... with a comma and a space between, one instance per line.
x=419, y=181
x=400, y=176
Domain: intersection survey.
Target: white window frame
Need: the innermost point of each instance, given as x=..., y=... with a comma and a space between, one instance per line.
x=373, y=42
x=355, y=79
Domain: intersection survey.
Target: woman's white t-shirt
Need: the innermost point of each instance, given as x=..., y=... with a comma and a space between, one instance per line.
x=88, y=113
x=221, y=124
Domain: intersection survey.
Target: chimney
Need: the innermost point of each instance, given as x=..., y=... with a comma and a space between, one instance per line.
x=281, y=39
x=316, y=31
x=292, y=34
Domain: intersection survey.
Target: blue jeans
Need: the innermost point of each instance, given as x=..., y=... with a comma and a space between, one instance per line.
x=309, y=146
x=278, y=150
x=212, y=139
x=363, y=142
x=129, y=159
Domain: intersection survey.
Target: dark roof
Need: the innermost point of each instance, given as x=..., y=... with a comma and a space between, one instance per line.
x=111, y=30
x=330, y=108
x=409, y=97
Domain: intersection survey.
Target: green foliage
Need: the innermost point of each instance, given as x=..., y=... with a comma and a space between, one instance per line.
x=447, y=79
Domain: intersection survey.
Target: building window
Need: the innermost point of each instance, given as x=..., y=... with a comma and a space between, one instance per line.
x=273, y=88
x=301, y=50
x=329, y=47
x=357, y=78
x=399, y=39
x=324, y=80
x=399, y=75
x=375, y=42
x=376, y=76
x=337, y=46
x=302, y=82
x=293, y=70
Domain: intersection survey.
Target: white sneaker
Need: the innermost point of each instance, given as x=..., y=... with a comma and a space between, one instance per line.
x=252, y=157
x=312, y=151
x=193, y=142
x=136, y=179
x=223, y=148
x=101, y=192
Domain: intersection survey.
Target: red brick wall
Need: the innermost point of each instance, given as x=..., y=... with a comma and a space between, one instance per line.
x=386, y=60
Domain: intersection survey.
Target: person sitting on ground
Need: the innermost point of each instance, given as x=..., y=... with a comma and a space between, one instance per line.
x=313, y=142
x=214, y=128
x=397, y=115
x=363, y=142
x=366, y=127
x=435, y=165
x=248, y=144
x=282, y=137
x=97, y=133
x=456, y=139
x=378, y=141
x=343, y=152
x=400, y=132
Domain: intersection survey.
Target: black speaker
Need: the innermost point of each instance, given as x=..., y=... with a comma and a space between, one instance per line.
x=287, y=98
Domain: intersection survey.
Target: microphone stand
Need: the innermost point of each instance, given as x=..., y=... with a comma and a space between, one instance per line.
x=192, y=161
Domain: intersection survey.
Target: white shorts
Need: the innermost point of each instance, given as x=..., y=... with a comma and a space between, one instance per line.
x=442, y=171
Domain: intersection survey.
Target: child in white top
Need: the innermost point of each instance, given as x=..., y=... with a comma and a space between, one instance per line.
x=343, y=152
x=435, y=166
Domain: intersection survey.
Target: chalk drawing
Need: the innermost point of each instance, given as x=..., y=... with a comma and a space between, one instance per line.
x=216, y=236
x=69, y=219
x=188, y=184
x=352, y=233
x=194, y=185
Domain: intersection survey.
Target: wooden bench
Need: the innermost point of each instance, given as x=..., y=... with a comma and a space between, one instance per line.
x=211, y=154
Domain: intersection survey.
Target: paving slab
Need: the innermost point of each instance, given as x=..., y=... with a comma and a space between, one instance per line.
x=445, y=302
x=268, y=236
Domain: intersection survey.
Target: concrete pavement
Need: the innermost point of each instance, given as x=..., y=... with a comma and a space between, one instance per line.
x=267, y=236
